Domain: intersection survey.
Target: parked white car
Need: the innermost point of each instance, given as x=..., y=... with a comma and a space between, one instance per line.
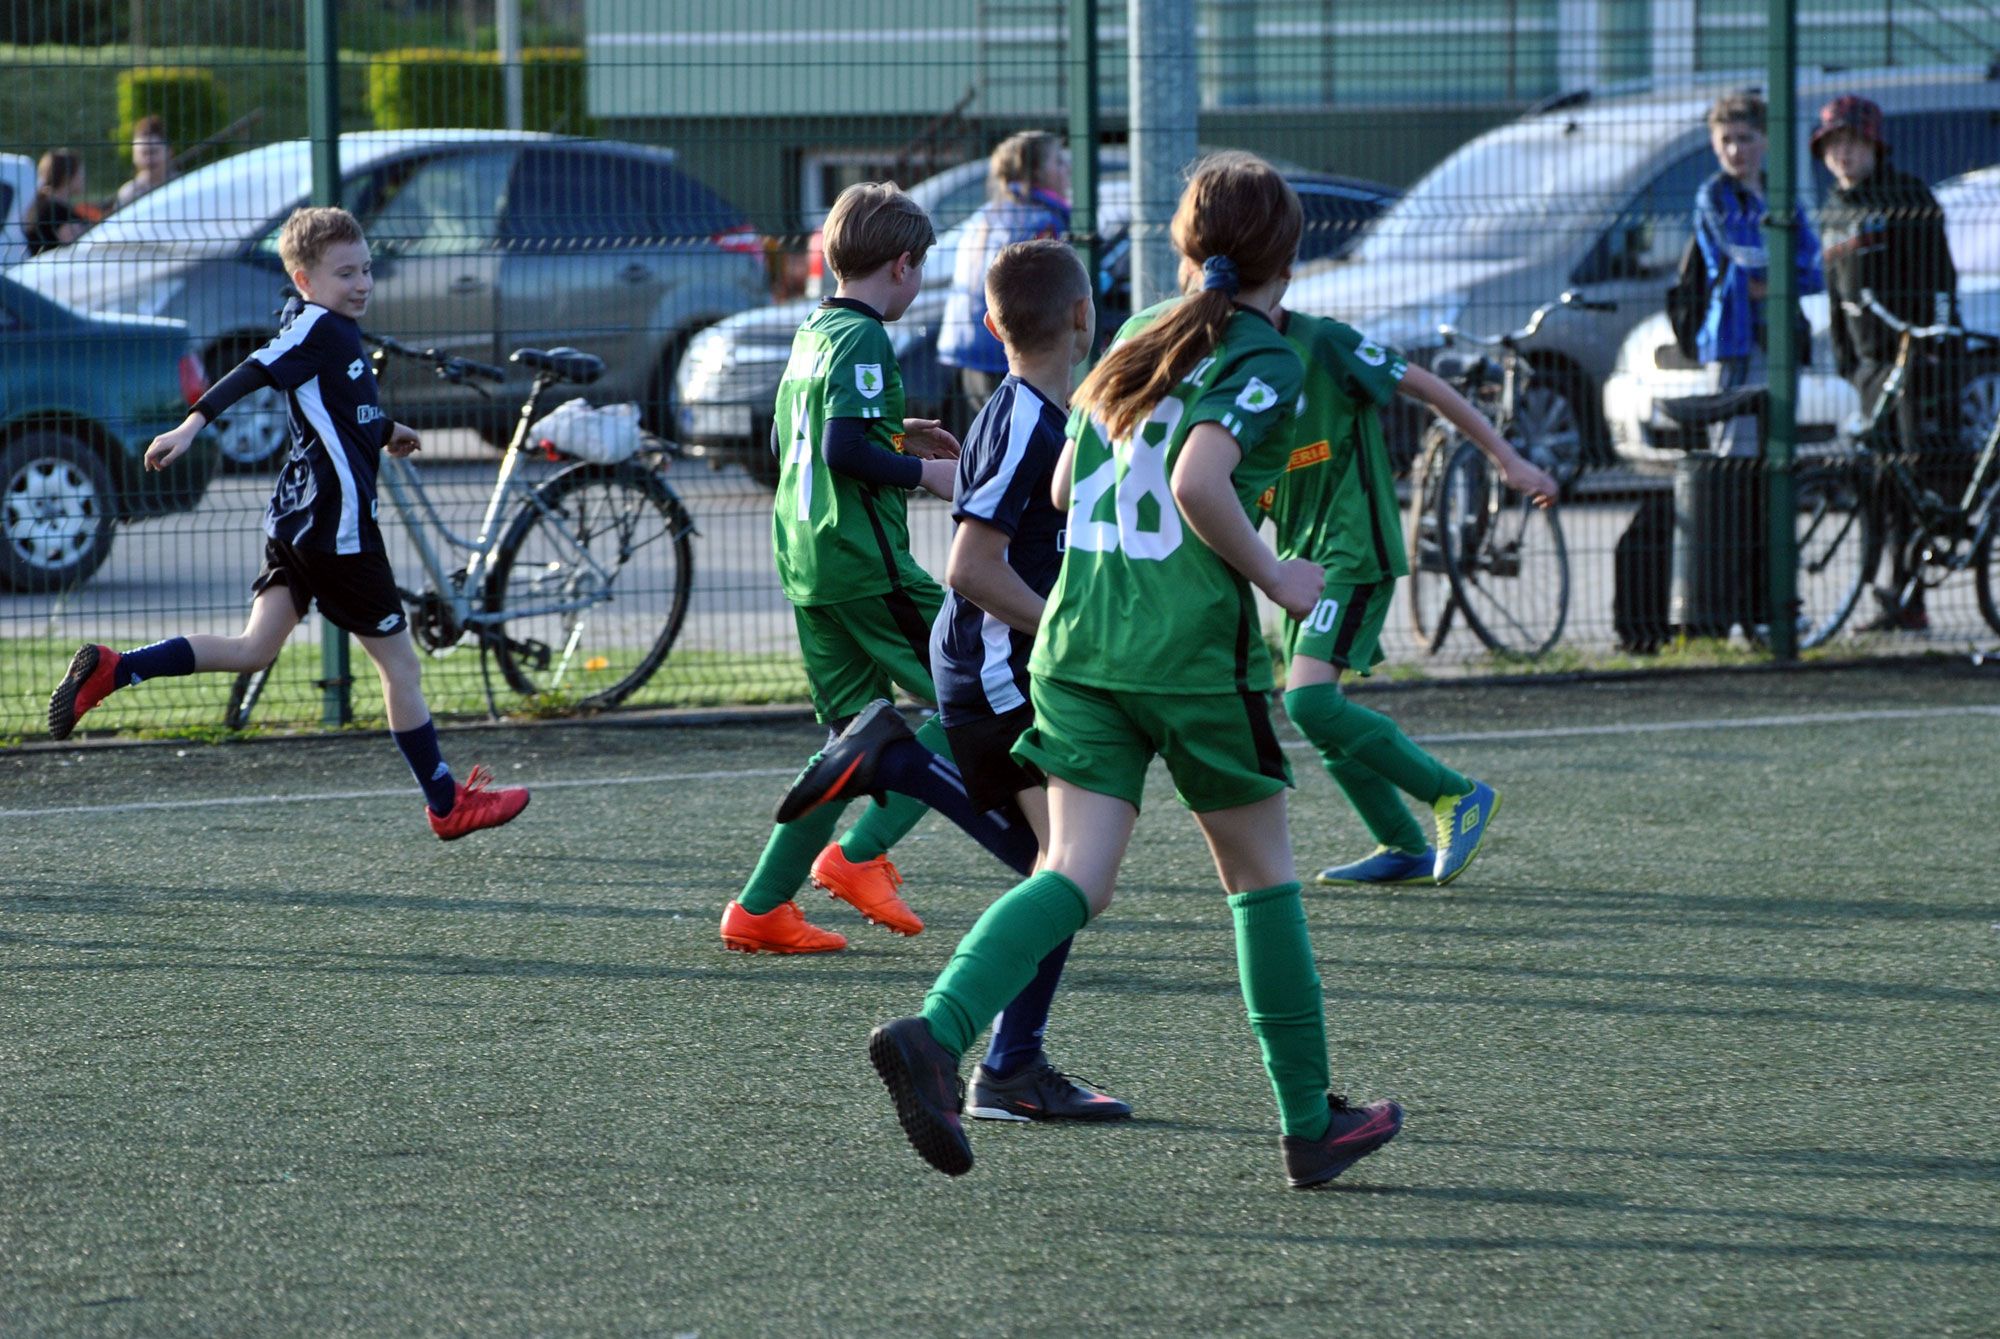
x=1650, y=366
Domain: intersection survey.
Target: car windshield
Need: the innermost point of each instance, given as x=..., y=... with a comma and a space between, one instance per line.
x=1971, y=206
x=1524, y=191
x=224, y=201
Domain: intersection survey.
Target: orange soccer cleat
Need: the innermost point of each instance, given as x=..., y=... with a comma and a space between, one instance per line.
x=783, y=929
x=869, y=887
x=478, y=806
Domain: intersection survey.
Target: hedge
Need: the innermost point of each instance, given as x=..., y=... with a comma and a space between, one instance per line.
x=189, y=100
x=429, y=87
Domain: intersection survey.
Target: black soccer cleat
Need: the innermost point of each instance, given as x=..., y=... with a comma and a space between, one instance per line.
x=1354, y=1134
x=846, y=767
x=923, y=1078
x=1040, y=1092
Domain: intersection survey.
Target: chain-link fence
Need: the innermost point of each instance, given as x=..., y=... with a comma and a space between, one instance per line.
x=646, y=182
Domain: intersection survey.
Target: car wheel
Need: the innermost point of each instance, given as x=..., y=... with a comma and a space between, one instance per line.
x=1978, y=405
x=254, y=435
x=57, y=506
x=656, y=410
x=1548, y=426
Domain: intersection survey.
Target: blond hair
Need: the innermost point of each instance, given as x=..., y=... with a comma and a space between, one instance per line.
x=1019, y=160
x=871, y=224
x=1235, y=206
x=1745, y=106
x=313, y=231
x=1031, y=289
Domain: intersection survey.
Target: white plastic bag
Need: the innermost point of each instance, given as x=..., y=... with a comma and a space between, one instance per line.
x=601, y=434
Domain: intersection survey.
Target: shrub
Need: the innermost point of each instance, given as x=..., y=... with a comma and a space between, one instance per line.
x=189, y=100
x=429, y=87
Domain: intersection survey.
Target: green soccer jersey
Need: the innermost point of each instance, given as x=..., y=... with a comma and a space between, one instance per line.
x=1142, y=604
x=836, y=537
x=1336, y=502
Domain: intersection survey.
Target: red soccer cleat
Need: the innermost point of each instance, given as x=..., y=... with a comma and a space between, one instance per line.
x=782, y=929
x=88, y=683
x=477, y=806
x=869, y=886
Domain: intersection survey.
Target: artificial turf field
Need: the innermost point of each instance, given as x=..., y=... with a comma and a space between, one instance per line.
x=1707, y=1041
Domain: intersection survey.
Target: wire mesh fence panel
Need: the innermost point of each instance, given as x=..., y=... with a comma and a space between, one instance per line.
x=649, y=183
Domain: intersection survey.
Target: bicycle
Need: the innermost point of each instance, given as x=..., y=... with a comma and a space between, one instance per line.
x=1474, y=546
x=582, y=591
x=1843, y=500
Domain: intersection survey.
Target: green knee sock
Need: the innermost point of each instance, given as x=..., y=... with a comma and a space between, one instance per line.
x=877, y=831
x=1383, y=812
x=1325, y=716
x=1001, y=954
x=1281, y=991
x=788, y=858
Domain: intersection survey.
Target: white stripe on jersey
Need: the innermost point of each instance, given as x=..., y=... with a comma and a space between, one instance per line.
x=291, y=336
x=996, y=669
x=1025, y=417
x=347, y=538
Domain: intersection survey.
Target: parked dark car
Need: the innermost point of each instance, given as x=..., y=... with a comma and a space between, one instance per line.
x=81, y=397
x=483, y=241
x=729, y=379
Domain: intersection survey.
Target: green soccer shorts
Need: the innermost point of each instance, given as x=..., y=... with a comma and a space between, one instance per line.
x=1219, y=747
x=859, y=650
x=1345, y=627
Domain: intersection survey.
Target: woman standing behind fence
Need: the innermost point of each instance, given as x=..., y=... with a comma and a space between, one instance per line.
x=1027, y=180
x=53, y=219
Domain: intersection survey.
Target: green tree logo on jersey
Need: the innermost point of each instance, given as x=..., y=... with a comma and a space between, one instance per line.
x=868, y=379
x=1256, y=397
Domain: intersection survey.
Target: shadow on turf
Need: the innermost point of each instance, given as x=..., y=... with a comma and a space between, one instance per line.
x=1816, y=1163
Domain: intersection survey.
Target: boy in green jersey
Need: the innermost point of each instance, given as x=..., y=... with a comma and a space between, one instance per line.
x=1336, y=505
x=862, y=605
x=1149, y=645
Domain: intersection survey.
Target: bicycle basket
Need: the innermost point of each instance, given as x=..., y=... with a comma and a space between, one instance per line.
x=600, y=434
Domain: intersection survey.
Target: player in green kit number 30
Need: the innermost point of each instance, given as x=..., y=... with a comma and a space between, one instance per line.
x=1335, y=505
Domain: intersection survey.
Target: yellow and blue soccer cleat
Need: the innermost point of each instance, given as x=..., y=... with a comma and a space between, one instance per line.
x=1383, y=865
x=1462, y=821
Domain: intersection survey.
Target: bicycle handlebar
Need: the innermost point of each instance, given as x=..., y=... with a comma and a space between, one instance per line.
x=1872, y=306
x=448, y=366
x=1515, y=339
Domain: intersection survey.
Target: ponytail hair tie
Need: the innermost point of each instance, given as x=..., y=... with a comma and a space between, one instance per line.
x=1220, y=272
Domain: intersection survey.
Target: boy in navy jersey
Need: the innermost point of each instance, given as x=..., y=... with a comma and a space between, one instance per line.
x=322, y=542
x=1005, y=555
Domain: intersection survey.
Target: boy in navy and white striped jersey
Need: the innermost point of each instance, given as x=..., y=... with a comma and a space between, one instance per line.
x=322, y=543
x=1005, y=556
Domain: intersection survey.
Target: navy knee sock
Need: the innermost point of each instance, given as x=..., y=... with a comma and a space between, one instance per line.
x=162, y=660
x=420, y=750
x=908, y=768
x=1017, y=1032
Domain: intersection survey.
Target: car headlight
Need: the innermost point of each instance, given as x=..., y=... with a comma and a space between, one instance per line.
x=1414, y=326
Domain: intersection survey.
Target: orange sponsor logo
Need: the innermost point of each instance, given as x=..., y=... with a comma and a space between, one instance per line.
x=1316, y=454
x=897, y=441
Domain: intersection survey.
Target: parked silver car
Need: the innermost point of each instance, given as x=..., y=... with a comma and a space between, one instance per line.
x=483, y=241
x=1596, y=195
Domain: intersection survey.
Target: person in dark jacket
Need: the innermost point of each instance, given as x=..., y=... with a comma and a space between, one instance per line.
x=1027, y=185
x=53, y=219
x=1883, y=230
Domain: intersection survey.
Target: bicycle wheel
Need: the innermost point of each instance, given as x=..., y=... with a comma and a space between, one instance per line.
x=1429, y=586
x=1837, y=547
x=1508, y=564
x=1984, y=559
x=592, y=582
x=243, y=695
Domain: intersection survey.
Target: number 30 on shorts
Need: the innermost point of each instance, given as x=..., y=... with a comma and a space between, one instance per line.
x=1323, y=616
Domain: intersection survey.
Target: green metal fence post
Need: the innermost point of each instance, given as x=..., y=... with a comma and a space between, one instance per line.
x=323, y=125
x=1082, y=83
x=1780, y=303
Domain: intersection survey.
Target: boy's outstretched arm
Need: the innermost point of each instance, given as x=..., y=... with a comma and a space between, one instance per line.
x=169, y=446
x=1520, y=474
x=978, y=569
x=847, y=449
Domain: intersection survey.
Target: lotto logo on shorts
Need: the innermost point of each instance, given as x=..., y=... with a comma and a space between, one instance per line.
x=389, y=624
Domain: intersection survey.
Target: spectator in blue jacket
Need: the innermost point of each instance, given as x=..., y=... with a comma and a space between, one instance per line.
x=1027, y=187
x=1729, y=212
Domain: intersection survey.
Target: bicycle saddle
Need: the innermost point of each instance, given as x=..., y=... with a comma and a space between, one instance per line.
x=1698, y=411
x=564, y=362
x=1463, y=367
